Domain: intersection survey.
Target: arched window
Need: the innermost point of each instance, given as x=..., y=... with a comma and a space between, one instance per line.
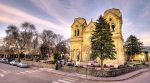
x=110, y=19
x=75, y=32
x=113, y=27
x=78, y=32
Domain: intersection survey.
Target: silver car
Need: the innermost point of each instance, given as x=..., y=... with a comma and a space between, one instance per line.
x=23, y=65
x=14, y=62
x=3, y=60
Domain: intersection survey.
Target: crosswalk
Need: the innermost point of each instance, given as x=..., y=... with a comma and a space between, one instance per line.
x=23, y=72
x=28, y=72
x=31, y=71
x=3, y=73
x=66, y=80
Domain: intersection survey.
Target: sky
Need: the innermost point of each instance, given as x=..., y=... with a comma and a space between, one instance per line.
x=58, y=15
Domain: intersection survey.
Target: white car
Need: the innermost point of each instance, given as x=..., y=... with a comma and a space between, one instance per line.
x=3, y=60
x=23, y=65
x=14, y=62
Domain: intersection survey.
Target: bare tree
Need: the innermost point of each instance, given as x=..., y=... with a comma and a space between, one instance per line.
x=29, y=35
x=12, y=39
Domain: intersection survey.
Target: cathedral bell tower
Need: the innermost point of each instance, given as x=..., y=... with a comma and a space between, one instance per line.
x=77, y=38
x=114, y=18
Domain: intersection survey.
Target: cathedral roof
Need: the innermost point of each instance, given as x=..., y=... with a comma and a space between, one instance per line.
x=91, y=22
x=116, y=12
x=80, y=20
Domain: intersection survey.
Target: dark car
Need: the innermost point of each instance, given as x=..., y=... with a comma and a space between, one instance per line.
x=8, y=60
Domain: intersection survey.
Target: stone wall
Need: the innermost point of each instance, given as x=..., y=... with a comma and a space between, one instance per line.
x=90, y=71
x=102, y=73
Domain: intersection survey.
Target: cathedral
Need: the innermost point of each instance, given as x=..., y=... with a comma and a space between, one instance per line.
x=81, y=33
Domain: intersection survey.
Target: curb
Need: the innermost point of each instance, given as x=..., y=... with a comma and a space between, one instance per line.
x=127, y=78
x=110, y=79
x=123, y=77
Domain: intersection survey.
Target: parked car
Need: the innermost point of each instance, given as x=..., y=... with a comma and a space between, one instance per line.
x=15, y=63
x=0, y=59
x=3, y=60
x=23, y=65
x=8, y=60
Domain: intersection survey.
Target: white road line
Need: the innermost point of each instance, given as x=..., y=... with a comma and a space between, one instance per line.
x=3, y=71
x=64, y=81
x=21, y=72
x=68, y=79
x=46, y=69
x=55, y=82
x=2, y=75
x=72, y=78
x=31, y=71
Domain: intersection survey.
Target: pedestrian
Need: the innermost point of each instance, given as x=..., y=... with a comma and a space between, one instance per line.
x=58, y=62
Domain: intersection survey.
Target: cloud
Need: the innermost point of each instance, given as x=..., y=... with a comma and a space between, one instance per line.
x=64, y=12
x=145, y=38
x=57, y=10
x=145, y=12
x=12, y=15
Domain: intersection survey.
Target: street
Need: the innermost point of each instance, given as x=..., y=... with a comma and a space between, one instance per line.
x=13, y=74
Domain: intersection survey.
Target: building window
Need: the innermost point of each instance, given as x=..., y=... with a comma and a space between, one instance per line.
x=77, y=26
x=110, y=19
x=75, y=33
x=113, y=27
x=78, y=32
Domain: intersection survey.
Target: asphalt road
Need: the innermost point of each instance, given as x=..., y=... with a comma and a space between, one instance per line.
x=13, y=74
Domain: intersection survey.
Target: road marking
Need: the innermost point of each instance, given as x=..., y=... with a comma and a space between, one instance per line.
x=64, y=81
x=2, y=75
x=3, y=71
x=55, y=82
x=72, y=78
x=69, y=80
x=46, y=69
x=21, y=72
x=28, y=72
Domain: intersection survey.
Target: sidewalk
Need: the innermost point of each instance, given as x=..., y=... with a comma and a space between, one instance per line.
x=118, y=78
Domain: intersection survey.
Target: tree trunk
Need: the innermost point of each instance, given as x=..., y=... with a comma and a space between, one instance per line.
x=18, y=57
x=102, y=65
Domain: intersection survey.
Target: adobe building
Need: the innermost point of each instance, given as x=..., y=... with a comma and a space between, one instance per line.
x=81, y=32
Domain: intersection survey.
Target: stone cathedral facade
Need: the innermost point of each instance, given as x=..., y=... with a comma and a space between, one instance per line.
x=81, y=33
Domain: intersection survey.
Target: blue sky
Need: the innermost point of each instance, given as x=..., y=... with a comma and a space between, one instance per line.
x=58, y=15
